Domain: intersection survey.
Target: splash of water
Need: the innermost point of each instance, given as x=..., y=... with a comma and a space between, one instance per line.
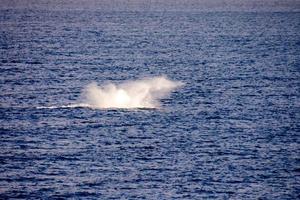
x=144, y=93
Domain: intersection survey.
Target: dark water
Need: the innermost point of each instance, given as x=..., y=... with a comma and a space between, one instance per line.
x=232, y=132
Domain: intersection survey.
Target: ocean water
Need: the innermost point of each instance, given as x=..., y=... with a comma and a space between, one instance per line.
x=230, y=132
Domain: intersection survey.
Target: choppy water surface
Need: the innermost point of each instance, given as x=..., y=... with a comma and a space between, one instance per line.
x=231, y=132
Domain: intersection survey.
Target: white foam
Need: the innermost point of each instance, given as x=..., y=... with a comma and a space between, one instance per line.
x=80, y=105
x=144, y=93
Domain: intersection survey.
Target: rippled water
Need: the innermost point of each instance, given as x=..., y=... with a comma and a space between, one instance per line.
x=232, y=131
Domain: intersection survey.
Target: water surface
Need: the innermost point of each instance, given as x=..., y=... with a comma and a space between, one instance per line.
x=232, y=131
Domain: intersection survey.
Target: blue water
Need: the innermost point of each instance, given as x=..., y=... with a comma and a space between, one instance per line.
x=231, y=132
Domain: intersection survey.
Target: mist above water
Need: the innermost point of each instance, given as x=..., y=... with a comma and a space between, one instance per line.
x=144, y=93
